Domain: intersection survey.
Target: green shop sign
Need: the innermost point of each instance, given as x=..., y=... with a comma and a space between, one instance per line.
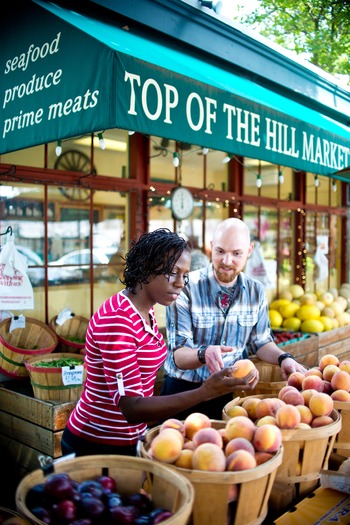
x=65, y=75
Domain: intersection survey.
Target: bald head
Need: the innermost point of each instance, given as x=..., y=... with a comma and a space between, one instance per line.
x=231, y=246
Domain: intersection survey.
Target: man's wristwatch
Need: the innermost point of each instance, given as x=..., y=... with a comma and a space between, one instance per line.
x=284, y=356
x=201, y=354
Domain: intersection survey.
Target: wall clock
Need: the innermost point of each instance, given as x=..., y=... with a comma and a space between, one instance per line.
x=182, y=203
x=74, y=160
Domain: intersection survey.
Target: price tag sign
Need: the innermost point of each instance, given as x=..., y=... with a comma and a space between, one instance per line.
x=17, y=321
x=73, y=376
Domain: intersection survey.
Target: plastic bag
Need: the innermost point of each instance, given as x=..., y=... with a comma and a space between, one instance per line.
x=256, y=267
x=16, y=291
x=321, y=265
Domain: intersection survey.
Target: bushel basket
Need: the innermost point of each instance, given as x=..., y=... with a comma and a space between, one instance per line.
x=49, y=383
x=71, y=334
x=36, y=338
x=167, y=488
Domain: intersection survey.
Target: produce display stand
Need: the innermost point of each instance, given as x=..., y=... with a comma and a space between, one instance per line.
x=305, y=349
x=29, y=427
x=336, y=342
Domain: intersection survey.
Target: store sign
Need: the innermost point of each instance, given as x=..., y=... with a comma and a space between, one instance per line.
x=58, y=82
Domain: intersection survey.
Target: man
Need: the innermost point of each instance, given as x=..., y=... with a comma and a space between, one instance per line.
x=221, y=316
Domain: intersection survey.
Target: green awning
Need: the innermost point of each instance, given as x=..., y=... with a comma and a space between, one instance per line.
x=65, y=75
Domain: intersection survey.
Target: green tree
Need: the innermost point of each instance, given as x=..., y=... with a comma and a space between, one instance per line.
x=319, y=30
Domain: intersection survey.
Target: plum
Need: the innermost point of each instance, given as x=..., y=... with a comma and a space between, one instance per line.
x=158, y=515
x=59, y=486
x=113, y=499
x=108, y=483
x=65, y=511
x=42, y=514
x=36, y=496
x=124, y=514
x=140, y=501
x=92, y=487
x=92, y=507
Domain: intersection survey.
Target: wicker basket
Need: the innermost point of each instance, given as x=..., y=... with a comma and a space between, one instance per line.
x=211, y=505
x=36, y=338
x=270, y=379
x=167, y=488
x=47, y=382
x=6, y=514
x=306, y=452
x=71, y=334
x=342, y=441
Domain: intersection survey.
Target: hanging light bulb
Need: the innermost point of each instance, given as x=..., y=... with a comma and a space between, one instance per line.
x=227, y=159
x=176, y=160
x=258, y=181
x=130, y=132
x=101, y=141
x=334, y=185
x=205, y=151
x=316, y=181
x=59, y=148
x=280, y=177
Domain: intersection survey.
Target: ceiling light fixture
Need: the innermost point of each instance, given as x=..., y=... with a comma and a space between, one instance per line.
x=59, y=148
x=215, y=5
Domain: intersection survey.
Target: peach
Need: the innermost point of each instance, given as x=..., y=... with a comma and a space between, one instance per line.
x=210, y=457
x=185, y=459
x=262, y=457
x=314, y=382
x=188, y=444
x=173, y=423
x=327, y=387
x=233, y=492
x=239, y=443
x=307, y=394
x=240, y=426
x=222, y=432
x=266, y=420
x=167, y=445
x=243, y=368
x=207, y=435
x=267, y=438
x=313, y=372
x=236, y=410
x=249, y=405
x=341, y=395
x=240, y=460
x=321, y=421
x=321, y=404
x=267, y=407
x=328, y=359
x=341, y=381
x=295, y=379
x=194, y=422
x=329, y=371
x=293, y=398
x=288, y=417
x=305, y=414
x=304, y=426
x=285, y=389
x=345, y=365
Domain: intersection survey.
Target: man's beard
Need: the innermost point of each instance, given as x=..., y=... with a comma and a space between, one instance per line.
x=225, y=277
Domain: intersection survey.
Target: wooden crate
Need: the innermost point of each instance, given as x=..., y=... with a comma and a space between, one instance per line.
x=305, y=351
x=29, y=427
x=336, y=342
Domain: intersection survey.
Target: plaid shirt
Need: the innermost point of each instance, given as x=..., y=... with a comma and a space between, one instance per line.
x=196, y=320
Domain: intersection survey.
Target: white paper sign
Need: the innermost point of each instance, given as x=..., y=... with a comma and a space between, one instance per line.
x=17, y=321
x=73, y=376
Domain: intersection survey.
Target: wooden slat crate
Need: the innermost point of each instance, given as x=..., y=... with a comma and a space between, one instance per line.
x=305, y=350
x=336, y=342
x=29, y=427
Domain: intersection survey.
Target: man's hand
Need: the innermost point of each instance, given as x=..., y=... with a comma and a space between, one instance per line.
x=213, y=358
x=288, y=366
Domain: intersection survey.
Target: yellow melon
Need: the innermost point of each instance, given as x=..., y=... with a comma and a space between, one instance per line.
x=342, y=301
x=343, y=319
x=308, y=298
x=285, y=294
x=276, y=318
x=288, y=310
x=292, y=323
x=327, y=298
x=296, y=290
x=328, y=312
x=308, y=312
x=277, y=303
x=327, y=322
x=311, y=326
x=336, y=307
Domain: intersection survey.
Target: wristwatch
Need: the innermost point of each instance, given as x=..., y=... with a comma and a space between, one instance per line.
x=201, y=354
x=284, y=356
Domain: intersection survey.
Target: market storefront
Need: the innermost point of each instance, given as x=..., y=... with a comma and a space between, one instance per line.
x=101, y=120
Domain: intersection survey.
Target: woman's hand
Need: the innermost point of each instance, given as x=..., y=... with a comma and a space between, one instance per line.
x=223, y=382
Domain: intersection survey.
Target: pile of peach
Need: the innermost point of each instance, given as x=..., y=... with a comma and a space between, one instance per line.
x=195, y=444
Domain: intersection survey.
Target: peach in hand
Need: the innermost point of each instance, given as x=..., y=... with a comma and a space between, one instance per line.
x=242, y=368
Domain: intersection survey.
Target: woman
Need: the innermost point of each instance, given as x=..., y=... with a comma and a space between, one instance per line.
x=124, y=351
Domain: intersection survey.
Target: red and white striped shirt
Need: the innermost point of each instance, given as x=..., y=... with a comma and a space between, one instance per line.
x=119, y=344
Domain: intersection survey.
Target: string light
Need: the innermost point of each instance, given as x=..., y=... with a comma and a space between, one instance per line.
x=176, y=160
x=205, y=151
x=101, y=141
x=59, y=148
x=258, y=181
x=227, y=159
x=334, y=185
x=316, y=181
x=130, y=132
x=280, y=177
